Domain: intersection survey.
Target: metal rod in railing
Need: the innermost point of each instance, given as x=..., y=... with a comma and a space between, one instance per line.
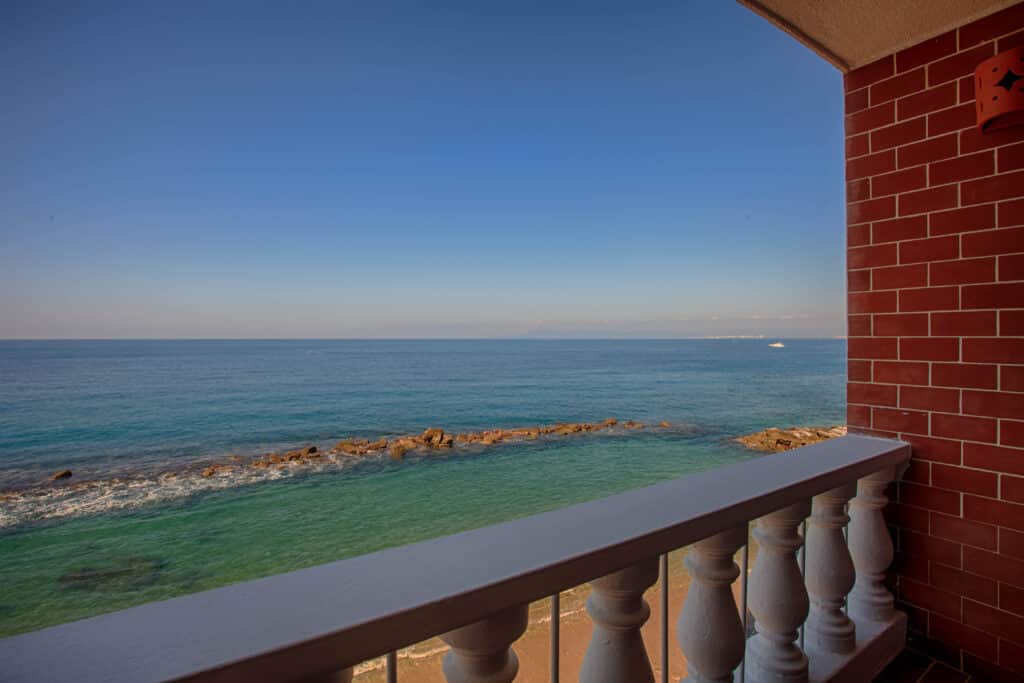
x=664, y=618
x=392, y=667
x=556, y=615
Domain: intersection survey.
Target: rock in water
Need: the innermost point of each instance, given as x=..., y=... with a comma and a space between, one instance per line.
x=63, y=474
x=774, y=440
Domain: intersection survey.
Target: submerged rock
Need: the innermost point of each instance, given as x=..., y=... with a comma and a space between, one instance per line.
x=123, y=574
x=774, y=440
x=63, y=474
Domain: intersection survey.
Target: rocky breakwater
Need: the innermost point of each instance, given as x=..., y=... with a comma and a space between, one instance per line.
x=774, y=440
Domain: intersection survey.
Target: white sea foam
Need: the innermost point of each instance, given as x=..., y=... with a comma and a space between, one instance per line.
x=107, y=495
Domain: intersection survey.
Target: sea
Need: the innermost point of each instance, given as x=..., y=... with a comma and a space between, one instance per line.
x=136, y=422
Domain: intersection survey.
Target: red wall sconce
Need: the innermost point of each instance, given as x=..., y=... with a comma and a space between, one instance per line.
x=999, y=90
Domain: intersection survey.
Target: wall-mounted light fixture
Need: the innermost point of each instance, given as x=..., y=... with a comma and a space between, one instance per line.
x=999, y=90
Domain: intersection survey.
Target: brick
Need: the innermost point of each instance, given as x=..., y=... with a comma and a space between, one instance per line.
x=921, y=103
x=871, y=394
x=936, y=549
x=1003, y=295
x=1009, y=42
x=935, y=450
x=964, y=531
x=899, y=134
x=964, y=271
x=995, y=458
x=978, y=217
x=998, y=567
x=930, y=598
x=958, y=582
x=858, y=145
x=991, y=511
x=961, y=427
x=872, y=164
x=961, y=168
x=858, y=280
x=869, y=73
x=899, y=181
x=919, y=472
x=1011, y=544
x=964, y=324
x=897, y=277
x=858, y=326
x=955, y=118
x=897, y=86
x=929, y=299
x=964, y=375
x=992, y=26
x=1011, y=433
x=871, y=257
x=856, y=101
x=858, y=370
x=871, y=118
x=994, y=351
x=929, y=249
x=1011, y=489
x=967, y=89
x=858, y=235
x=897, y=372
x=900, y=228
x=973, y=140
x=927, y=151
x=1011, y=213
x=1011, y=378
x=871, y=210
x=965, y=480
x=871, y=302
x=960, y=64
x=994, y=188
x=928, y=51
x=929, y=348
x=928, y=398
x=958, y=636
x=1011, y=655
x=1011, y=324
x=994, y=404
x=992, y=620
x=901, y=325
x=988, y=242
x=1011, y=158
x=899, y=420
x=907, y=516
x=858, y=416
x=1011, y=599
x=1011, y=267
x=872, y=348
x=933, y=199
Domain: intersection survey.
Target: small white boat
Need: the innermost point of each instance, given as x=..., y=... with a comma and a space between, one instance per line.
x=777, y=345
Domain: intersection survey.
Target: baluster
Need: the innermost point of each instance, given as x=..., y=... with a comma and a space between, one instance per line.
x=871, y=548
x=709, y=630
x=778, y=599
x=617, y=607
x=481, y=652
x=829, y=573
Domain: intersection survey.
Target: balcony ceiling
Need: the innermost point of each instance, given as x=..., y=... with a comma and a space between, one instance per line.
x=852, y=33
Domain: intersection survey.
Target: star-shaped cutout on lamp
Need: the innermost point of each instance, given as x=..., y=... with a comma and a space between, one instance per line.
x=1008, y=80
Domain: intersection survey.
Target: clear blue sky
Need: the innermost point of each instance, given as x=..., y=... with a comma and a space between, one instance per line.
x=416, y=169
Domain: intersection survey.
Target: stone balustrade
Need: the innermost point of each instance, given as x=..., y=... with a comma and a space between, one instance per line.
x=473, y=589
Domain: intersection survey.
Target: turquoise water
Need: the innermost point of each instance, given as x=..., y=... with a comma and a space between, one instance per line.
x=133, y=409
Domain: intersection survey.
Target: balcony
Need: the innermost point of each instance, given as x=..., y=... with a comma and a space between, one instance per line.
x=817, y=607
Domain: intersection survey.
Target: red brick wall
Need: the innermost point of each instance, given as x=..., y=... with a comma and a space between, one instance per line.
x=935, y=264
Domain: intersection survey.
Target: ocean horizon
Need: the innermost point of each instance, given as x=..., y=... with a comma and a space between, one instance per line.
x=127, y=417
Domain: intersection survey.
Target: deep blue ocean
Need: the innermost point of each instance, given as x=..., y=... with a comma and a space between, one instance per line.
x=122, y=414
